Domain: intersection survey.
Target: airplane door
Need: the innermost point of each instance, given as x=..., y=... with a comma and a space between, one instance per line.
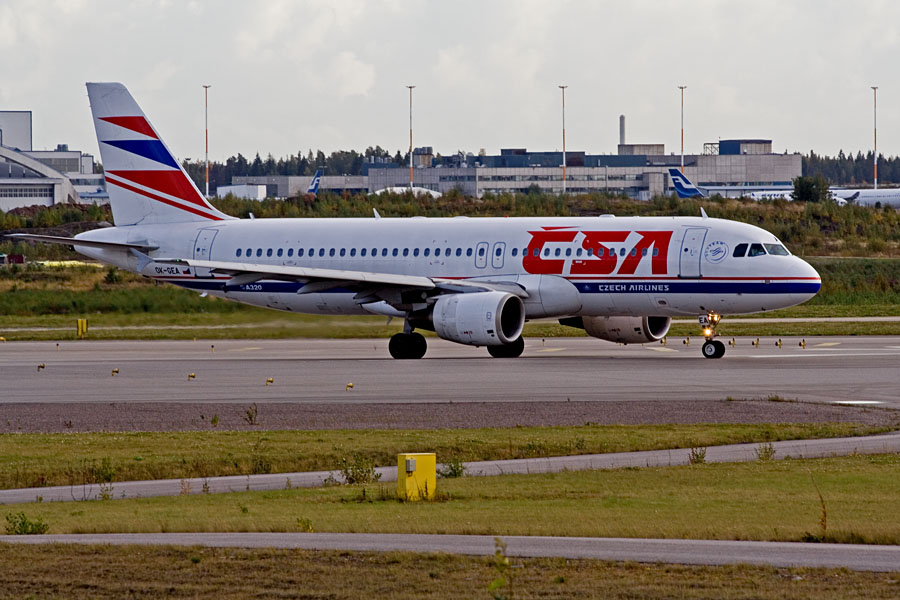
x=202, y=248
x=481, y=251
x=691, y=247
x=497, y=253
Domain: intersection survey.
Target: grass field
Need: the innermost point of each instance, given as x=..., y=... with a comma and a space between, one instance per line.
x=63, y=571
x=149, y=572
x=763, y=500
x=32, y=460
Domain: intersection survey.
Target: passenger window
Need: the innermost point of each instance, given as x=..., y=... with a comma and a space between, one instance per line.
x=644, y=252
x=321, y=252
x=331, y=252
x=515, y=252
x=777, y=249
x=280, y=252
x=290, y=252
x=426, y=252
x=468, y=252
x=459, y=251
x=546, y=251
x=557, y=252
x=415, y=251
x=437, y=251
x=621, y=251
x=362, y=252
x=740, y=250
x=269, y=252
x=481, y=252
x=384, y=251
x=536, y=252
x=249, y=252
x=374, y=252
x=591, y=252
x=756, y=250
x=394, y=252
x=633, y=252
x=343, y=251
x=238, y=253
x=578, y=252
x=259, y=252
x=568, y=252
x=352, y=251
x=656, y=252
x=406, y=252
x=498, y=251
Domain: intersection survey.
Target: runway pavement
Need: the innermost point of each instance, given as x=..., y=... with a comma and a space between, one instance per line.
x=698, y=552
x=829, y=369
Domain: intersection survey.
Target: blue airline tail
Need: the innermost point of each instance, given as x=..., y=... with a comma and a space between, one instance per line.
x=314, y=184
x=683, y=186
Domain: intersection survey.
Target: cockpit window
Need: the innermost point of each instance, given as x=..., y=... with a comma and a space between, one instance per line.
x=777, y=249
x=740, y=250
x=756, y=250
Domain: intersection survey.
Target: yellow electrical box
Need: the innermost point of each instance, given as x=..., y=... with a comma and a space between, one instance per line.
x=416, y=475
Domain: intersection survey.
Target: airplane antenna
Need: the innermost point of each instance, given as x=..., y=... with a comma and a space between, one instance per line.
x=703, y=213
x=375, y=210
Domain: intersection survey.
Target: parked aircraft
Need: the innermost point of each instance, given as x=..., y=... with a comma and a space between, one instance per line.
x=472, y=281
x=685, y=189
x=314, y=184
x=867, y=197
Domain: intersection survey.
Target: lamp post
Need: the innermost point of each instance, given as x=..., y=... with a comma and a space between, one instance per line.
x=875, y=124
x=682, y=88
x=410, y=138
x=206, y=131
x=563, y=88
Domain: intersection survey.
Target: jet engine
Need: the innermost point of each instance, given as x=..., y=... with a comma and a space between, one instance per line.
x=625, y=330
x=479, y=318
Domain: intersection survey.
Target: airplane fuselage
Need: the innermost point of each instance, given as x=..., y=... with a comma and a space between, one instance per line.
x=585, y=266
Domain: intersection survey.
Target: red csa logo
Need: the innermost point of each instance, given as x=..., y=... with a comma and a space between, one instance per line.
x=600, y=261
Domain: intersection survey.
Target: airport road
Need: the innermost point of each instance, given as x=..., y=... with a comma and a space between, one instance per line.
x=829, y=369
x=699, y=552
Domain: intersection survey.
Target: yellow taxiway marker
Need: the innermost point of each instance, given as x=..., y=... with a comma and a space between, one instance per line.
x=827, y=344
x=550, y=350
x=248, y=349
x=655, y=349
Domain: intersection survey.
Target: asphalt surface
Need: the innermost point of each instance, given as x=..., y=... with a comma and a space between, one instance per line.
x=873, y=444
x=698, y=552
x=828, y=369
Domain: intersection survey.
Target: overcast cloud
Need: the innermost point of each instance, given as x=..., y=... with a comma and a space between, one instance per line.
x=288, y=76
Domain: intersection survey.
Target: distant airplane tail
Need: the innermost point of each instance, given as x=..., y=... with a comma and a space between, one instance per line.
x=314, y=184
x=145, y=183
x=683, y=186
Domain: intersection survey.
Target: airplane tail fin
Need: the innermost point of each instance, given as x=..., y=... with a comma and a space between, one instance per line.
x=146, y=184
x=314, y=184
x=683, y=186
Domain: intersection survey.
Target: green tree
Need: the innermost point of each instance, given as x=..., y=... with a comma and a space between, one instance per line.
x=810, y=189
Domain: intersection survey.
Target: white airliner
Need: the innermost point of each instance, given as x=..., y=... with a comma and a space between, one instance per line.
x=472, y=281
x=867, y=197
x=685, y=189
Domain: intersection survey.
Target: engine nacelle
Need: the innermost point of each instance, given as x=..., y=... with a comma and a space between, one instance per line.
x=627, y=330
x=479, y=318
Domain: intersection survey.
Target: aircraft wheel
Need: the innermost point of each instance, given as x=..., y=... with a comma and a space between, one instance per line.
x=713, y=349
x=407, y=346
x=512, y=350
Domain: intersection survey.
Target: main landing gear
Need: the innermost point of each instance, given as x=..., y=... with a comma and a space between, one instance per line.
x=712, y=348
x=511, y=350
x=407, y=345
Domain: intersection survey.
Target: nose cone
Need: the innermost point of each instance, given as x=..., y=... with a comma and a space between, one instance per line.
x=808, y=282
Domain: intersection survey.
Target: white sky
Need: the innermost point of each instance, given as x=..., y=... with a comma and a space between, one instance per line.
x=330, y=74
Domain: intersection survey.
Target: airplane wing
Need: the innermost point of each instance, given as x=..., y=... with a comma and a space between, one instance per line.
x=318, y=279
x=68, y=241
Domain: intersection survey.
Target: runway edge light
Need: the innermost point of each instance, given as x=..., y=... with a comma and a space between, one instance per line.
x=416, y=475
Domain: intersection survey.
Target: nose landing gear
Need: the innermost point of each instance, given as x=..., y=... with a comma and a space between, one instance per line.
x=712, y=348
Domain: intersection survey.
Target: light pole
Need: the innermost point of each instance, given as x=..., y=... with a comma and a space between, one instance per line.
x=563, y=88
x=410, y=138
x=875, y=123
x=682, y=87
x=206, y=131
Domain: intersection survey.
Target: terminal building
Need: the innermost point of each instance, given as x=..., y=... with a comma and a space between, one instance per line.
x=636, y=170
x=42, y=177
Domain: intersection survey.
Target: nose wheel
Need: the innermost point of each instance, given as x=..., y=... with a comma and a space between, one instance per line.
x=712, y=348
